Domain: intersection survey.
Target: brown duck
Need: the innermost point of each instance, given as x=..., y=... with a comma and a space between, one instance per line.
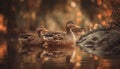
x=62, y=39
x=31, y=41
x=60, y=43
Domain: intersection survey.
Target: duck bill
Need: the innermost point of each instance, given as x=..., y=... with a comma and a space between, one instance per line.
x=45, y=30
x=76, y=26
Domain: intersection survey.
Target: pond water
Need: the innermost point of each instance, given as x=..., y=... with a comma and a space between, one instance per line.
x=82, y=61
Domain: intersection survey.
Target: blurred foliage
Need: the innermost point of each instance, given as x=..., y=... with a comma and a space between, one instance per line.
x=26, y=15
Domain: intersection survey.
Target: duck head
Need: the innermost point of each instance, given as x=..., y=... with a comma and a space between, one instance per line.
x=69, y=26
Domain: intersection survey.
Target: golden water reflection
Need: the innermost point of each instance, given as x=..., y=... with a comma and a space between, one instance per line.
x=86, y=61
x=3, y=51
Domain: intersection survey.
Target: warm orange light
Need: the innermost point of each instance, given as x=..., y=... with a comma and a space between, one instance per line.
x=99, y=16
x=108, y=12
x=104, y=23
x=99, y=2
x=33, y=15
x=106, y=63
x=3, y=51
x=78, y=20
x=2, y=26
x=98, y=67
x=79, y=13
x=96, y=58
x=95, y=26
x=79, y=58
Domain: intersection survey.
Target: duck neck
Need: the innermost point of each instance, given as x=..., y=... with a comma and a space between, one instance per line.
x=70, y=33
x=41, y=35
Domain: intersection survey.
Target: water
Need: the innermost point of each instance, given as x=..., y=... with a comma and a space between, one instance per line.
x=19, y=61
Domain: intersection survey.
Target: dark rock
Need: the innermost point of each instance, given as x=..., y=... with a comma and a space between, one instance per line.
x=102, y=42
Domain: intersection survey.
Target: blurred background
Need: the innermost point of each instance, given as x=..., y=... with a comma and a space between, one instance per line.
x=19, y=16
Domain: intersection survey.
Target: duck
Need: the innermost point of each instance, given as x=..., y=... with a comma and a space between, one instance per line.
x=56, y=43
x=31, y=40
x=61, y=39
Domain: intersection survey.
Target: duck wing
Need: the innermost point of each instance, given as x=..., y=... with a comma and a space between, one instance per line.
x=58, y=39
x=30, y=39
